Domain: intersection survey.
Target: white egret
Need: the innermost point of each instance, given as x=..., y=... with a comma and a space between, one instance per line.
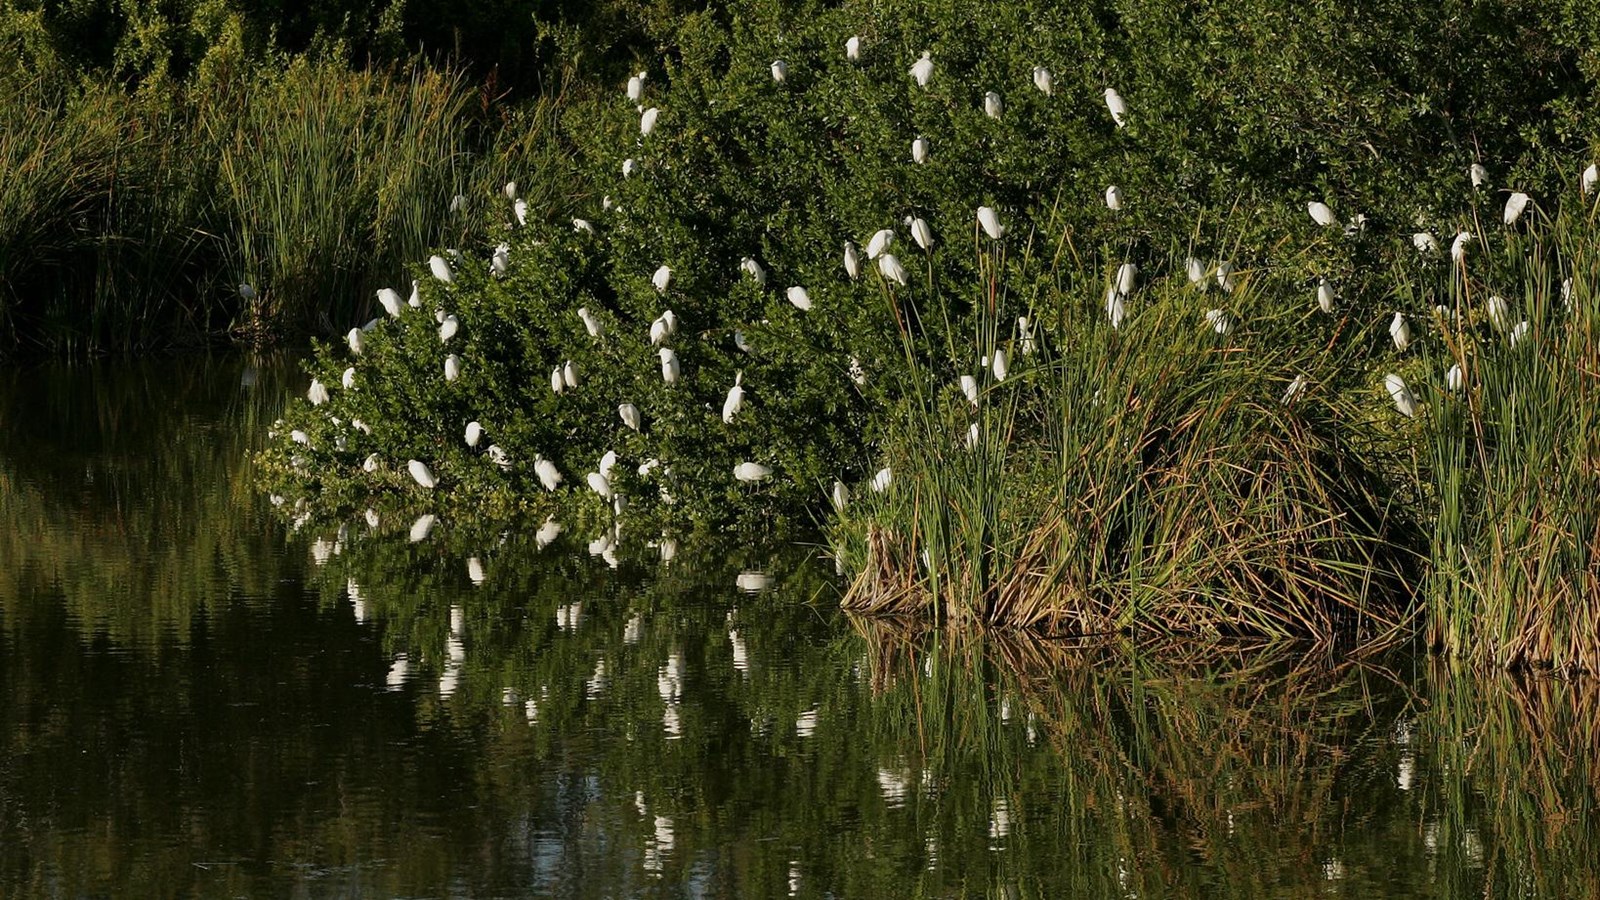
x=1225, y=276
x=419, y=472
x=1001, y=365
x=635, y=88
x=520, y=210
x=549, y=475
x=663, y=327
x=919, y=150
x=669, y=365
x=735, y=400
x=969, y=389
x=1515, y=205
x=557, y=382
x=349, y=378
x=608, y=462
x=1403, y=401
x=800, y=297
x=752, y=268
x=891, y=269
x=1127, y=275
x=922, y=69
x=881, y=480
x=360, y=426
x=389, y=298
x=371, y=463
x=474, y=433
x=1458, y=247
x=780, y=71
x=591, y=324
x=840, y=496
x=1326, y=296
x=318, y=394
x=880, y=241
x=991, y=223
x=599, y=484
x=1320, y=213
x=1454, y=379
x=440, y=269
x=972, y=435
x=501, y=260
x=510, y=190
x=1589, y=179
x=583, y=225
x=549, y=531
x=497, y=455
x=921, y=233
x=1294, y=390
x=992, y=107
x=852, y=261
x=420, y=529
x=647, y=121
x=569, y=374
x=476, y=575
x=1043, y=80
x=630, y=415
x=371, y=515
x=1425, y=243
x=1118, y=109
x=452, y=367
x=1498, y=311
x=354, y=340
x=300, y=437
x=1477, y=174
x=1113, y=198
x=1116, y=311
x=852, y=49
x=1519, y=331
x=415, y=300
x=662, y=279
x=750, y=472
x=1196, y=270
x=1400, y=330
x=448, y=328
x=629, y=166
x=1219, y=322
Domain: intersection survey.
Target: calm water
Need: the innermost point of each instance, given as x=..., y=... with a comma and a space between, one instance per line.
x=197, y=701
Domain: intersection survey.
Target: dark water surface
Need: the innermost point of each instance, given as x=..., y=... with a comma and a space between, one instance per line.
x=197, y=701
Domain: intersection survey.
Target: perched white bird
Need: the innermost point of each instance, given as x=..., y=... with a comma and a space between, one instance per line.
x=919, y=150
x=1326, y=296
x=1225, y=276
x=922, y=69
x=520, y=210
x=880, y=241
x=1458, y=247
x=852, y=261
x=599, y=484
x=1589, y=179
x=415, y=300
x=569, y=374
x=635, y=88
x=318, y=394
x=591, y=324
x=440, y=269
x=1425, y=243
x=1477, y=174
x=780, y=70
x=881, y=481
x=497, y=455
x=1519, y=331
x=647, y=121
x=1113, y=198
x=800, y=297
x=630, y=415
x=549, y=475
x=1001, y=366
x=1118, y=109
x=1127, y=275
x=992, y=106
x=501, y=260
x=1499, y=313
x=1025, y=335
x=629, y=166
x=852, y=49
x=972, y=435
x=663, y=327
x=1320, y=213
x=752, y=268
x=750, y=472
x=371, y=463
x=1116, y=311
x=1400, y=330
x=991, y=223
x=448, y=328
x=419, y=471
x=474, y=433
x=608, y=462
x=389, y=298
x=458, y=203
x=355, y=341
x=1043, y=80
x=510, y=190
x=420, y=529
x=557, y=382
x=669, y=365
x=891, y=269
x=840, y=496
x=452, y=367
x=921, y=233
x=969, y=389
x=583, y=225
x=546, y=535
x=1454, y=379
x=1403, y=401
x=349, y=378
x=1294, y=390
x=661, y=279
x=1515, y=204
x=1219, y=321
x=735, y=400
x=1196, y=270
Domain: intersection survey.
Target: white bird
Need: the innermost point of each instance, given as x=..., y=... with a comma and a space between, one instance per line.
x=557, y=382
x=1498, y=312
x=891, y=269
x=991, y=223
x=448, y=328
x=569, y=374
x=247, y=292
x=420, y=529
x=780, y=70
x=852, y=49
x=510, y=190
x=669, y=365
x=1400, y=330
x=735, y=400
x=969, y=389
x=1589, y=179
x=840, y=496
x=972, y=435
x=751, y=472
x=440, y=269
x=921, y=233
x=661, y=279
x=663, y=327
x=501, y=260
x=922, y=69
x=389, y=298
x=1127, y=274
x=1403, y=401
x=919, y=150
x=318, y=394
x=415, y=300
x=1458, y=247
x=1219, y=322
x=520, y=210
x=371, y=463
x=1326, y=296
x=1116, y=311
x=355, y=341
x=635, y=88
x=880, y=241
x=349, y=378
x=647, y=121
x=1294, y=390
x=800, y=297
x=992, y=106
x=549, y=475
x=629, y=166
x=497, y=455
x=754, y=270
x=630, y=415
x=1196, y=270
x=419, y=471
x=547, y=533
x=1001, y=365
x=1118, y=109
x=881, y=481
x=1515, y=204
x=1519, y=332
x=1225, y=276
x=583, y=225
x=852, y=261
x=1477, y=174
x=1113, y=198
x=593, y=325
x=608, y=462
x=1043, y=80
x=474, y=433
x=452, y=367
x=1425, y=243
x=1320, y=213
x=458, y=203
x=1454, y=379
x=599, y=484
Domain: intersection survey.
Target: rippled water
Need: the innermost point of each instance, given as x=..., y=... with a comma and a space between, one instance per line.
x=196, y=701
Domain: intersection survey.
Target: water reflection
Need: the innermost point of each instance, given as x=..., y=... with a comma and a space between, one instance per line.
x=193, y=702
